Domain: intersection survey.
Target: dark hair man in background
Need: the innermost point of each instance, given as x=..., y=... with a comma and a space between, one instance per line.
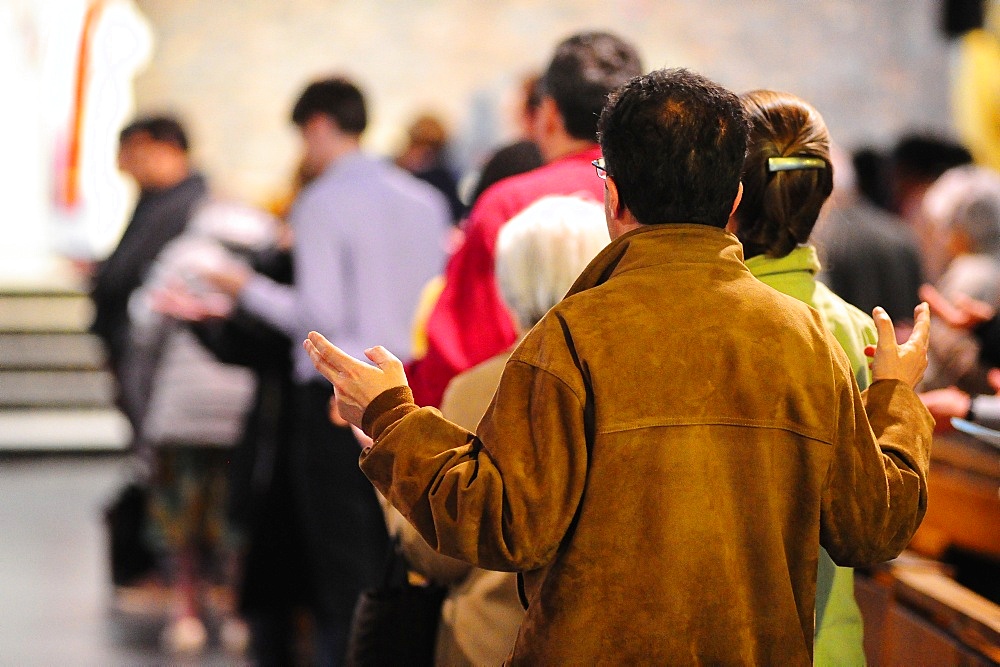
x=671, y=443
x=367, y=237
x=153, y=151
x=470, y=322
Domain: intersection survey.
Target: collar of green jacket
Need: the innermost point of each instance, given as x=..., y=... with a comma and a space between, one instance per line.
x=803, y=258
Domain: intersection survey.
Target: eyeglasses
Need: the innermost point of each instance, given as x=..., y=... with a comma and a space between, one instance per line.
x=602, y=172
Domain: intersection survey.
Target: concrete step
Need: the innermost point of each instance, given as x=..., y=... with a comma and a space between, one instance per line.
x=60, y=312
x=37, y=429
x=37, y=351
x=50, y=388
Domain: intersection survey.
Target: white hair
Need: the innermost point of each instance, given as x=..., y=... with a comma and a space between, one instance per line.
x=967, y=198
x=543, y=249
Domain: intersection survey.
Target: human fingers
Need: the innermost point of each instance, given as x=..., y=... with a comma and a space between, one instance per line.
x=387, y=362
x=920, y=334
x=320, y=363
x=886, y=332
x=339, y=360
x=381, y=357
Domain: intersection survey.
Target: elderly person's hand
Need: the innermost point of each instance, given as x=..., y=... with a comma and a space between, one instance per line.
x=355, y=382
x=907, y=361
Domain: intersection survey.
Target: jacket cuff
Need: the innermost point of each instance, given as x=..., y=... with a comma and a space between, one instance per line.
x=900, y=400
x=385, y=409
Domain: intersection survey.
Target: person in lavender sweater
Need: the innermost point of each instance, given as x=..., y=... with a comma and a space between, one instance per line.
x=368, y=236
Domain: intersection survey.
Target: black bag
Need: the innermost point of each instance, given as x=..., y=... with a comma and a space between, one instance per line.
x=396, y=623
x=126, y=518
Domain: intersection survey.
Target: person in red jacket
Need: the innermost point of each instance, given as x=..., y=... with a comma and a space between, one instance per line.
x=469, y=322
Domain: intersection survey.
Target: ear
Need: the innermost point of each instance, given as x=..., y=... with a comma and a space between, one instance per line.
x=612, y=201
x=548, y=119
x=736, y=202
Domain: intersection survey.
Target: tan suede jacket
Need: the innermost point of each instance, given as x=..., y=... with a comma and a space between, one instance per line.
x=666, y=451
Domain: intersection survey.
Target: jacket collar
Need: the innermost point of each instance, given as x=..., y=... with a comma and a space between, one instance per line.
x=653, y=245
x=803, y=258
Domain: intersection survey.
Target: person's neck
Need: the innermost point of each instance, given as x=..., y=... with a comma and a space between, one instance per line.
x=557, y=147
x=622, y=224
x=342, y=147
x=166, y=179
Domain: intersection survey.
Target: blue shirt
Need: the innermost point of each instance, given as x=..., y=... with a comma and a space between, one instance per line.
x=368, y=236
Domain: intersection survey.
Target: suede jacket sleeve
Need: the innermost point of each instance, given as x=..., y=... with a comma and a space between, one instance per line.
x=876, y=490
x=503, y=500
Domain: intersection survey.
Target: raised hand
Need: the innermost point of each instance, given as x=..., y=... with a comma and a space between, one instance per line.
x=355, y=382
x=907, y=361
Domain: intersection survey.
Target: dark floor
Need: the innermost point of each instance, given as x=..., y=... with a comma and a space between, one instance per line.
x=54, y=590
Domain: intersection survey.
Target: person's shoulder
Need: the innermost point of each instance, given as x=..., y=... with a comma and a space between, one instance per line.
x=848, y=315
x=511, y=188
x=863, y=227
x=406, y=186
x=768, y=310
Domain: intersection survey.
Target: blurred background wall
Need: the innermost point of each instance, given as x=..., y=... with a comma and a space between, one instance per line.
x=233, y=69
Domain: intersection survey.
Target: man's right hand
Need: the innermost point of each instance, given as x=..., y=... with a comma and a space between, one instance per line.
x=904, y=362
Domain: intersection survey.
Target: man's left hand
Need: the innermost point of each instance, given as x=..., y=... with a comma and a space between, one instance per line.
x=355, y=383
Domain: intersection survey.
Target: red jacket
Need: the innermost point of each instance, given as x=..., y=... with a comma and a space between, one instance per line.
x=470, y=322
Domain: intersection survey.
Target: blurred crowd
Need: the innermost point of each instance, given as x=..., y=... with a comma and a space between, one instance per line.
x=262, y=528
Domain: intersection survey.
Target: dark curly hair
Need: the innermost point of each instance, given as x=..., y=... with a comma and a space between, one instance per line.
x=674, y=143
x=779, y=208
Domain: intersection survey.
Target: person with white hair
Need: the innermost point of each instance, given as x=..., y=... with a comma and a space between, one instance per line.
x=962, y=214
x=540, y=252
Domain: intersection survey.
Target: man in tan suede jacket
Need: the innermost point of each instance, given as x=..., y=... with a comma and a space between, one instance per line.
x=670, y=445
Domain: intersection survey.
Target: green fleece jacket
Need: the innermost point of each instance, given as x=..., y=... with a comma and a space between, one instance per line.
x=665, y=453
x=840, y=629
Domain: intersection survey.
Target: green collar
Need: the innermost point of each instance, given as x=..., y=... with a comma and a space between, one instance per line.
x=803, y=258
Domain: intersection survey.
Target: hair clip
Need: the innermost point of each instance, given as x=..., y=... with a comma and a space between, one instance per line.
x=794, y=163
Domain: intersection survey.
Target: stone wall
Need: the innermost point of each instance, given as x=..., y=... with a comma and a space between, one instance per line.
x=233, y=68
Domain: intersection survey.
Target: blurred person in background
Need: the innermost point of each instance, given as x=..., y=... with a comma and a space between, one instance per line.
x=914, y=163
x=272, y=587
x=510, y=160
x=469, y=322
x=962, y=218
x=980, y=319
x=870, y=257
x=426, y=157
x=153, y=151
x=522, y=154
x=193, y=419
x=367, y=237
x=787, y=178
x=540, y=252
